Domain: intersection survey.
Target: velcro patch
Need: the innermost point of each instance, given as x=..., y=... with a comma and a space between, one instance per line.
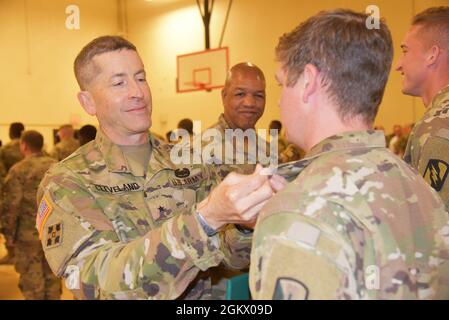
x=436, y=173
x=290, y=289
x=44, y=210
x=54, y=235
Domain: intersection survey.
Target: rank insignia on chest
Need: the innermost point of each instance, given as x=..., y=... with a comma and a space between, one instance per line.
x=436, y=173
x=54, y=235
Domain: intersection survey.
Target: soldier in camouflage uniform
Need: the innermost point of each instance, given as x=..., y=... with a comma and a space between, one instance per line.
x=425, y=67
x=10, y=152
x=10, y=155
x=19, y=218
x=117, y=219
x=243, y=98
x=67, y=144
x=357, y=222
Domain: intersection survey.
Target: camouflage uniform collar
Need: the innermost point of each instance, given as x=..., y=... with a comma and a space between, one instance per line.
x=445, y=89
x=116, y=162
x=222, y=123
x=349, y=140
x=442, y=95
x=160, y=156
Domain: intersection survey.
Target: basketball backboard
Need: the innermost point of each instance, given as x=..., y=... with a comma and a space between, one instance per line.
x=203, y=70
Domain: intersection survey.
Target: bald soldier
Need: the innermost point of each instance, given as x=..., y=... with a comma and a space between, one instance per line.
x=243, y=98
x=357, y=222
x=18, y=218
x=67, y=143
x=425, y=69
x=117, y=219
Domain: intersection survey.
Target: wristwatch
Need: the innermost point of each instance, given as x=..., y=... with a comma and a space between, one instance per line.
x=207, y=228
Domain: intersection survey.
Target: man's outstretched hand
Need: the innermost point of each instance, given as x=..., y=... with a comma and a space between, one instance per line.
x=239, y=198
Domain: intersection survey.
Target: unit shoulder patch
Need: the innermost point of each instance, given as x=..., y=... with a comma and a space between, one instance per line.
x=54, y=235
x=290, y=289
x=436, y=173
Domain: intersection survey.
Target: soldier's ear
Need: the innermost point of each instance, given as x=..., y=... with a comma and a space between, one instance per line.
x=87, y=102
x=310, y=81
x=223, y=94
x=433, y=54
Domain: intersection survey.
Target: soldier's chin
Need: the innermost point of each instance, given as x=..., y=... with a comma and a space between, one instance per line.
x=407, y=89
x=408, y=92
x=245, y=125
x=142, y=126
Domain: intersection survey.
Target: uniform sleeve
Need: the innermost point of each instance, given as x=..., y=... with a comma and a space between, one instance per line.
x=236, y=247
x=234, y=244
x=433, y=165
x=295, y=257
x=12, y=197
x=81, y=245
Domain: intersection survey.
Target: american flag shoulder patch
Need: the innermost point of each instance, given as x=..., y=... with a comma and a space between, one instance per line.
x=43, y=212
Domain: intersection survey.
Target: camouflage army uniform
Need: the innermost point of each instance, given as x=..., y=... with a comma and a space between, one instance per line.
x=114, y=233
x=291, y=153
x=428, y=146
x=357, y=223
x=64, y=148
x=18, y=220
x=221, y=274
x=231, y=163
x=10, y=154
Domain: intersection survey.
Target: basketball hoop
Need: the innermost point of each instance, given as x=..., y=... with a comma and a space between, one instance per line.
x=204, y=70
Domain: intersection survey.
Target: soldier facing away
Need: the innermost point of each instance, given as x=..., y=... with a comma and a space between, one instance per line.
x=10, y=152
x=132, y=224
x=67, y=143
x=37, y=281
x=10, y=155
x=357, y=222
x=425, y=69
